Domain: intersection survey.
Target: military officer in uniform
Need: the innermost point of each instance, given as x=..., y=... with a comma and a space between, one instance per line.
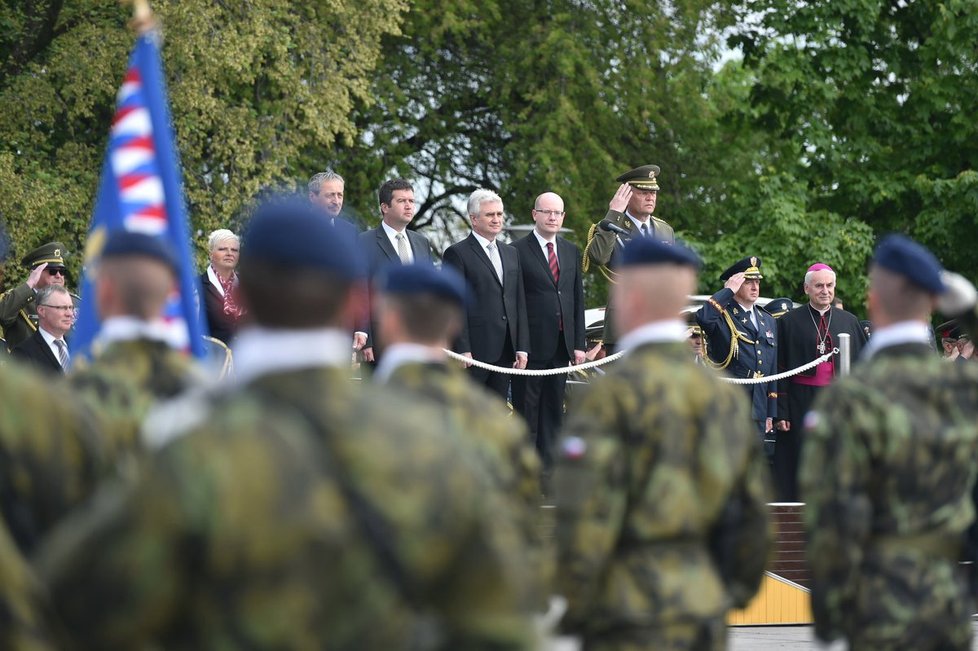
x=887, y=474
x=18, y=309
x=741, y=337
x=295, y=511
x=629, y=216
x=419, y=312
x=662, y=522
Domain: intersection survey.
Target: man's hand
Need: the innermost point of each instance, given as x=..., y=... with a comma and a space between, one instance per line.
x=35, y=275
x=734, y=282
x=520, y=360
x=620, y=201
x=467, y=364
x=368, y=354
x=783, y=426
x=359, y=340
x=768, y=424
x=578, y=357
x=593, y=353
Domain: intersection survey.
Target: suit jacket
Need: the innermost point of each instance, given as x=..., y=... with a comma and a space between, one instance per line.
x=219, y=325
x=548, y=302
x=380, y=253
x=36, y=352
x=494, y=310
x=761, y=357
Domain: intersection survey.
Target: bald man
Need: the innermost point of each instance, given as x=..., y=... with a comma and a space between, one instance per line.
x=555, y=312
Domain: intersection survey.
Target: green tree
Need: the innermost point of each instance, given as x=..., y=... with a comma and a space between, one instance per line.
x=252, y=84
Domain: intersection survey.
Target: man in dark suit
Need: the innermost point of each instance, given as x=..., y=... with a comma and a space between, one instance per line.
x=46, y=349
x=805, y=334
x=392, y=242
x=496, y=330
x=555, y=314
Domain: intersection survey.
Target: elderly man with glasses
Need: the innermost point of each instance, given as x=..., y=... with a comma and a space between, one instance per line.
x=46, y=349
x=18, y=307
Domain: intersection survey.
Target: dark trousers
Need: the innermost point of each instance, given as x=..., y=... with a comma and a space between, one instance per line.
x=498, y=383
x=787, y=449
x=540, y=400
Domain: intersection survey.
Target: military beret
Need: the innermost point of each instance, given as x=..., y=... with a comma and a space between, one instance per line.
x=751, y=268
x=121, y=243
x=288, y=231
x=413, y=279
x=51, y=253
x=642, y=178
x=901, y=255
x=778, y=307
x=646, y=251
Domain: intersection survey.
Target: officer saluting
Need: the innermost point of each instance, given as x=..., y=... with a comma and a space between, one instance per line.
x=18, y=311
x=741, y=337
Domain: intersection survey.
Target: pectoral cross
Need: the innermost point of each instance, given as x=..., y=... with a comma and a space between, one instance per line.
x=821, y=348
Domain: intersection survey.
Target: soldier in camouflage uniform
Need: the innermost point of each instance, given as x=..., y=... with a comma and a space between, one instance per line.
x=419, y=311
x=23, y=617
x=888, y=466
x=133, y=365
x=661, y=484
x=18, y=309
x=295, y=511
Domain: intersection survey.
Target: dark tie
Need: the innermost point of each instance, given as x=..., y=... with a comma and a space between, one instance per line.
x=552, y=259
x=645, y=230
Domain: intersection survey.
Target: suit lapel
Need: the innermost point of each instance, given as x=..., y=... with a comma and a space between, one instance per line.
x=385, y=244
x=537, y=252
x=39, y=340
x=481, y=254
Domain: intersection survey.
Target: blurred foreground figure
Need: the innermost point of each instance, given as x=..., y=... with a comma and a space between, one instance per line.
x=662, y=524
x=887, y=473
x=291, y=512
x=23, y=619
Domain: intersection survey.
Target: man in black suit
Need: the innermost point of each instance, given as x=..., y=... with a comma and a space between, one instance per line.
x=555, y=314
x=46, y=349
x=496, y=330
x=391, y=242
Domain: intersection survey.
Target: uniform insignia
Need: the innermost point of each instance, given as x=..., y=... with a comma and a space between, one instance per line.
x=768, y=334
x=753, y=261
x=744, y=320
x=57, y=253
x=652, y=175
x=573, y=447
x=736, y=311
x=784, y=307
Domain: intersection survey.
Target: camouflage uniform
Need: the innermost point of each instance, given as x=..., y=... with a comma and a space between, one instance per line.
x=50, y=453
x=887, y=470
x=22, y=616
x=299, y=515
x=662, y=524
x=502, y=440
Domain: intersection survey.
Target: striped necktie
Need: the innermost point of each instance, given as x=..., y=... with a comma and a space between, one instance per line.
x=62, y=353
x=552, y=260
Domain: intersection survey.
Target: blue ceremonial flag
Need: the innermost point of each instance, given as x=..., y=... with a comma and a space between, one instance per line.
x=141, y=190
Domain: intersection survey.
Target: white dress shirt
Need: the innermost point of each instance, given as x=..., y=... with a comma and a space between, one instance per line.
x=392, y=236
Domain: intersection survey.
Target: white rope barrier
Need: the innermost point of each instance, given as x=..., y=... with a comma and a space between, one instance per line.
x=610, y=358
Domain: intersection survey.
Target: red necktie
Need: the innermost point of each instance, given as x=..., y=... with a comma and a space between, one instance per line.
x=552, y=259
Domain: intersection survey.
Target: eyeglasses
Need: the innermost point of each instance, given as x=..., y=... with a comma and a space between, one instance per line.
x=549, y=213
x=61, y=308
x=56, y=271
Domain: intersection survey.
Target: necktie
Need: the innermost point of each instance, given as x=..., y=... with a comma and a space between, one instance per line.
x=497, y=264
x=403, y=252
x=552, y=259
x=645, y=230
x=62, y=353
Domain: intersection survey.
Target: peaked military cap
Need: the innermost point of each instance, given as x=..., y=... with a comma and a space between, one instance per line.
x=949, y=330
x=288, y=231
x=751, y=268
x=778, y=307
x=51, y=253
x=128, y=243
x=646, y=251
x=642, y=178
x=414, y=279
x=903, y=256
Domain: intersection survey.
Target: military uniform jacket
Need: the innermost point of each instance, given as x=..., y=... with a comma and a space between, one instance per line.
x=295, y=514
x=661, y=497
x=756, y=354
x=889, y=462
x=797, y=341
x=22, y=610
x=603, y=250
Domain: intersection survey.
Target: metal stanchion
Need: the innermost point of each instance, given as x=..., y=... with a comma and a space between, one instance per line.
x=845, y=352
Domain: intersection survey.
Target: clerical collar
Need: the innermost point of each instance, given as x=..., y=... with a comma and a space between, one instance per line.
x=667, y=331
x=904, y=332
x=262, y=351
x=818, y=311
x=400, y=354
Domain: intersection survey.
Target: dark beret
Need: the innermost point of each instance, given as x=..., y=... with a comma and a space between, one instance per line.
x=128, y=243
x=901, y=255
x=751, y=267
x=646, y=251
x=288, y=231
x=51, y=253
x=414, y=279
x=643, y=178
